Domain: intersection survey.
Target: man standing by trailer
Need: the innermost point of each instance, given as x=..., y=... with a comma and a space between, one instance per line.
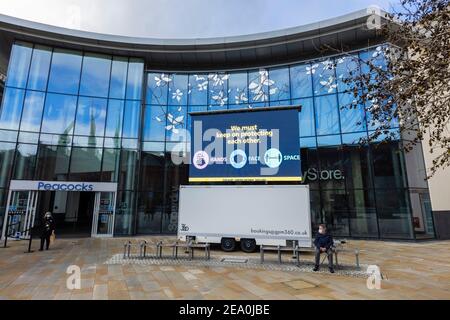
x=323, y=243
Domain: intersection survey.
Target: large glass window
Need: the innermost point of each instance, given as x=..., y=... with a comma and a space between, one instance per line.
x=356, y=167
x=32, y=111
x=59, y=114
x=352, y=115
x=259, y=85
x=306, y=117
x=95, y=75
x=335, y=211
x=19, y=64
x=362, y=213
x=327, y=115
x=280, y=89
x=11, y=108
x=347, y=68
x=157, y=88
x=310, y=167
x=125, y=213
x=65, y=71
x=394, y=215
x=154, y=123
x=218, y=90
x=149, y=212
x=152, y=171
x=91, y=114
x=131, y=119
x=52, y=162
x=25, y=161
x=238, y=89
x=134, y=81
x=176, y=121
x=198, y=87
x=114, y=118
x=324, y=77
x=316, y=210
x=85, y=164
x=119, y=72
x=301, y=82
x=178, y=89
x=6, y=161
x=176, y=175
x=110, y=165
x=128, y=167
x=331, y=174
x=40, y=64
x=388, y=165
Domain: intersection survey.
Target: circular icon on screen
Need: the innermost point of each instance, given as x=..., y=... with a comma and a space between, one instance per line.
x=273, y=158
x=238, y=159
x=200, y=160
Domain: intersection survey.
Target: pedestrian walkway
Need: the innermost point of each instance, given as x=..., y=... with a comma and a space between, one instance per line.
x=410, y=271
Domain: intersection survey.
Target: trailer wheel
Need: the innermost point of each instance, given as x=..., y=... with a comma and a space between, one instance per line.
x=228, y=244
x=248, y=245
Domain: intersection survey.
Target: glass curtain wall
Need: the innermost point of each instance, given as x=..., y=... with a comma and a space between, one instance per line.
x=70, y=115
x=86, y=116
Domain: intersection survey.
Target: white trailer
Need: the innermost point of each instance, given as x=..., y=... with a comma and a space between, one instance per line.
x=251, y=214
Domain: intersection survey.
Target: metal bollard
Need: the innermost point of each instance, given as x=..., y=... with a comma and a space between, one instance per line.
x=158, y=249
x=142, y=249
x=357, y=258
x=126, y=249
x=279, y=254
x=261, y=251
x=175, y=250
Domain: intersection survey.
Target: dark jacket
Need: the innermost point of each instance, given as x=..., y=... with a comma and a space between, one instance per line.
x=47, y=227
x=323, y=240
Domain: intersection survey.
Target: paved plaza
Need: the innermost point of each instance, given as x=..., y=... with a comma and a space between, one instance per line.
x=409, y=271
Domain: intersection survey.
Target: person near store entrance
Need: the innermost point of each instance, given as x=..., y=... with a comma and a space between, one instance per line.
x=323, y=243
x=47, y=230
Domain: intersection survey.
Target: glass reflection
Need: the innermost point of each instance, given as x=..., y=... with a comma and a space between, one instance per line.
x=327, y=115
x=85, y=164
x=118, y=77
x=198, y=87
x=6, y=161
x=52, y=162
x=65, y=71
x=280, y=90
x=134, y=81
x=59, y=114
x=131, y=119
x=11, y=108
x=95, y=75
x=91, y=114
x=32, y=111
x=114, y=118
x=19, y=64
x=25, y=161
x=154, y=123
x=40, y=64
x=301, y=81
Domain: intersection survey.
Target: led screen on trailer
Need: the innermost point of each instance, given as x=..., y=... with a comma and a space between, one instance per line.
x=248, y=145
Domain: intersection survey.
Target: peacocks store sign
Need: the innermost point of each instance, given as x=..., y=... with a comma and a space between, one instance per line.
x=63, y=186
x=246, y=145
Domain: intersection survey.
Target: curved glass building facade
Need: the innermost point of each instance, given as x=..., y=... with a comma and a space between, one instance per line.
x=86, y=115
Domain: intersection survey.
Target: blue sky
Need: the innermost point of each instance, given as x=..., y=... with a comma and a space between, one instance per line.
x=182, y=18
